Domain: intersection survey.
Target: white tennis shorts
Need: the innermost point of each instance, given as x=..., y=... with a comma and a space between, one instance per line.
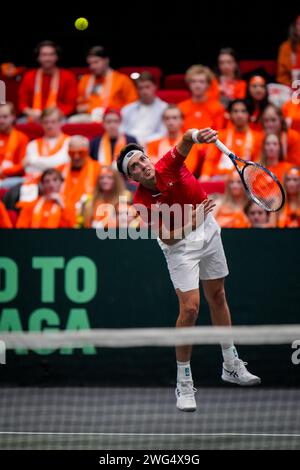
x=200, y=255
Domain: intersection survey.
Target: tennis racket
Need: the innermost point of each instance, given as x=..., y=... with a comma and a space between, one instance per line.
x=261, y=185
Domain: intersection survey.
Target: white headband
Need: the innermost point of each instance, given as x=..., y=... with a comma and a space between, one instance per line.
x=127, y=159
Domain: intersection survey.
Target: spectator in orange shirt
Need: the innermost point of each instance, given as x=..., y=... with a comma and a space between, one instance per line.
x=272, y=156
x=12, y=145
x=230, y=85
x=48, y=86
x=274, y=123
x=257, y=216
x=288, y=62
x=289, y=215
x=5, y=221
x=108, y=201
x=50, y=210
x=173, y=121
x=229, y=210
x=107, y=147
x=258, y=100
x=239, y=137
x=102, y=88
x=291, y=112
x=81, y=174
x=199, y=111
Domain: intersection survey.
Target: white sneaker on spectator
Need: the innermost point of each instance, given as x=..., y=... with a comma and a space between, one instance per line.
x=237, y=373
x=185, y=394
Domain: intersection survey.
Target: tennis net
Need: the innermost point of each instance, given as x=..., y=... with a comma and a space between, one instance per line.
x=122, y=397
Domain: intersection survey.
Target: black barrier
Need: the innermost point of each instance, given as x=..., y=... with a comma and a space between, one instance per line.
x=69, y=279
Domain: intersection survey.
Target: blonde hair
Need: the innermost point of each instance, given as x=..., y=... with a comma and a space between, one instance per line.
x=197, y=70
x=287, y=173
x=263, y=157
x=10, y=106
x=49, y=111
x=228, y=198
x=98, y=196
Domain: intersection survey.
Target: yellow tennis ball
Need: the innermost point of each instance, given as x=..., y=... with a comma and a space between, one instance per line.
x=81, y=24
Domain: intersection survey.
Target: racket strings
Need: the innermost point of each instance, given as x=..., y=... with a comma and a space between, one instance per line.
x=263, y=187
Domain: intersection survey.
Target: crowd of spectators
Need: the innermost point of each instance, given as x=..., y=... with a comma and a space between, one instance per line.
x=61, y=179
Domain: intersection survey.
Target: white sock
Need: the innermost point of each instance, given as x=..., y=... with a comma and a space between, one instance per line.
x=184, y=372
x=229, y=352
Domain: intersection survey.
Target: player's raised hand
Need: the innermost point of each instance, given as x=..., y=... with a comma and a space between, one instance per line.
x=207, y=136
x=201, y=136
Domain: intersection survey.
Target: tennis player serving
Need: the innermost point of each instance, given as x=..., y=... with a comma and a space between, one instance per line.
x=192, y=247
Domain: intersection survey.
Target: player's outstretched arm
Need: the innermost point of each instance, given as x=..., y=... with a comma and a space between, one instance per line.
x=193, y=136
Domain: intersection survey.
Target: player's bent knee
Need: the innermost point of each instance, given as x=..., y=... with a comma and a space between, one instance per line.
x=189, y=314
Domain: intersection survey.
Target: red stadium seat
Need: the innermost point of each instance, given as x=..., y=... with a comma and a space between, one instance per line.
x=33, y=130
x=13, y=215
x=175, y=81
x=3, y=191
x=90, y=130
x=250, y=65
x=173, y=96
x=212, y=187
x=155, y=71
x=79, y=71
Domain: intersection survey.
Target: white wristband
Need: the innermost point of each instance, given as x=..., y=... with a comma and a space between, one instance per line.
x=194, y=136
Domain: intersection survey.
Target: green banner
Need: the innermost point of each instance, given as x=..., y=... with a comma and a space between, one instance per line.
x=54, y=280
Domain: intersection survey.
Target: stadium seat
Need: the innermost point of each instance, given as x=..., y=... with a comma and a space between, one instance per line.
x=173, y=96
x=155, y=71
x=33, y=130
x=13, y=215
x=212, y=187
x=90, y=130
x=3, y=191
x=250, y=65
x=79, y=71
x=175, y=81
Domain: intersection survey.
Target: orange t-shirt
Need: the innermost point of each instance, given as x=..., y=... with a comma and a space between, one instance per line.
x=245, y=145
x=80, y=182
x=158, y=148
x=12, y=152
x=280, y=169
x=288, y=217
x=115, y=89
x=291, y=146
x=209, y=113
x=5, y=221
x=43, y=213
x=292, y=112
x=227, y=217
x=288, y=63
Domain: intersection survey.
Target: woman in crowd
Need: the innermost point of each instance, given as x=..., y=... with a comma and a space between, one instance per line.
x=231, y=87
x=109, y=202
x=229, y=210
x=272, y=156
x=274, y=123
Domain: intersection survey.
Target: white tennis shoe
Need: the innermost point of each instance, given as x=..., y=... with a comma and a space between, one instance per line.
x=185, y=394
x=237, y=373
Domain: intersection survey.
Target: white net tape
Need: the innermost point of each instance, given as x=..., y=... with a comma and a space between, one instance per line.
x=135, y=337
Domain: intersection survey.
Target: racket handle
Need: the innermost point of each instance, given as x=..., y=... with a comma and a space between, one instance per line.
x=222, y=147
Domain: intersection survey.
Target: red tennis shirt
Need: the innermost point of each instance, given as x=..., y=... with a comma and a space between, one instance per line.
x=175, y=184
